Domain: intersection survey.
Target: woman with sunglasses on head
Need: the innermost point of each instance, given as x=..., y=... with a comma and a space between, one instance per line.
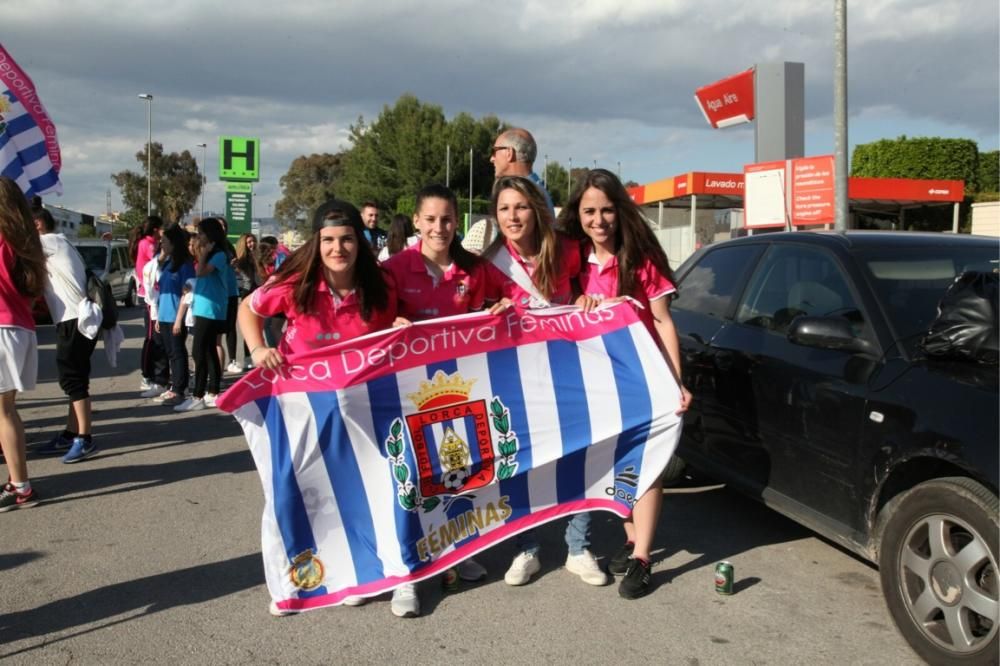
x=541, y=265
x=622, y=258
x=331, y=290
x=437, y=277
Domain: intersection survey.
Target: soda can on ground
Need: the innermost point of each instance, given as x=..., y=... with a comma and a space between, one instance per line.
x=449, y=581
x=724, y=577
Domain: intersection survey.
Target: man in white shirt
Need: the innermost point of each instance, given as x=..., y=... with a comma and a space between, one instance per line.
x=65, y=291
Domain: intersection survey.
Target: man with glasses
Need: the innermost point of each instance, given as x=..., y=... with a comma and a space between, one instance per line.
x=513, y=154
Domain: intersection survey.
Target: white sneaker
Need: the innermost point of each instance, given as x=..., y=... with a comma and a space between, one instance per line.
x=471, y=571
x=404, y=601
x=153, y=390
x=144, y=384
x=234, y=367
x=355, y=601
x=192, y=404
x=524, y=566
x=585, y=566
x=210, y=399
x=277, y=612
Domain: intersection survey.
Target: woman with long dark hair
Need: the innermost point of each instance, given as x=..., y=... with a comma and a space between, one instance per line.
x=331, y=289
x=400, y=237
x=624, y=259
x=211, y=300
x=176, y=268
x=247, y=280
x=144, y=247
x=22, y=279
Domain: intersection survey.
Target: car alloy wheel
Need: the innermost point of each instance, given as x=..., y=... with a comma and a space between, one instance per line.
x=938, y=564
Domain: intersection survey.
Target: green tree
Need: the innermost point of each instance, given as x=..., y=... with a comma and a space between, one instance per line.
x=989, y=171
x=403, y=150
x=175, y=187
x=308, y=182
x=921, y=157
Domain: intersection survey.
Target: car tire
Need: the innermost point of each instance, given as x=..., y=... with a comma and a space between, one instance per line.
x=129, y=295
x=938, y=565
x=674, y=471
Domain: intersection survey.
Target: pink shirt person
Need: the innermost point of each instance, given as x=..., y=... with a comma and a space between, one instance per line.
x=457, y=292
x=15, y=307
x=601, y=282
x=569, y=268
x=335, y=320
x=145, y=251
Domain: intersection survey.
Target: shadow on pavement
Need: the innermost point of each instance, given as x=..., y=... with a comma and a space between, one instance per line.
x=87, y=482
x=150, y=595
x=14, y=560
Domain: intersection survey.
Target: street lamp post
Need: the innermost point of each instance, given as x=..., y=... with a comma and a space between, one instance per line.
x=204, y=179
x=149, y=151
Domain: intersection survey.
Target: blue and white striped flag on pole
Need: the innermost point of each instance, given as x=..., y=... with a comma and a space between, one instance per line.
x=392, y=457
x=29, y=148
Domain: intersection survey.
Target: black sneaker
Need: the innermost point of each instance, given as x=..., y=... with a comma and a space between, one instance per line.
x=10, y=499
x=618, y=564
x=635, y=584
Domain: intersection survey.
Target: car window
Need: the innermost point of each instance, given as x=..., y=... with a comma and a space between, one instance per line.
x=711, y=284
x=795, y=280
x=94, y=256
x=116, y=263
x=910, y=281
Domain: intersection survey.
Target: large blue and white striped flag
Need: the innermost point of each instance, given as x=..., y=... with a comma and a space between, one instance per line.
x=29, y=148
x=389, y=458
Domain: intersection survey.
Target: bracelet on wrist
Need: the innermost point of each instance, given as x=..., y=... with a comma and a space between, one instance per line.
x=256, y=348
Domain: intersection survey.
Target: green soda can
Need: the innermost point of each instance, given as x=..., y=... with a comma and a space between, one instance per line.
x=724, y=578
x=449, y=581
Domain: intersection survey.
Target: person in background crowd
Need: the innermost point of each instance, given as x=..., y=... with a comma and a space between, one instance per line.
x=150, y=280
x=176, y=269
x=269, y=259
x=400, y=237
x=541, y=265
x=513, y=154
x=65, y=293
x=622, y=258
x=375, y=236
x=437, y=277
x=247, y=279
x=22, y=279
x=142, y=248
x=331, y=289
x=211, y=299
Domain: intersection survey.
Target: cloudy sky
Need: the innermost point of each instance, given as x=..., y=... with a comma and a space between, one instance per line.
x=593, y=79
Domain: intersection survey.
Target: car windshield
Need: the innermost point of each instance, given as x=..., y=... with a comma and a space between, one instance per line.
x=911, y=281
x=94, y=256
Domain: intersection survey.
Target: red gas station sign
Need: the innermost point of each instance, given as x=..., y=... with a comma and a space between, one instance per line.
x=811, y=180
x=729, y=101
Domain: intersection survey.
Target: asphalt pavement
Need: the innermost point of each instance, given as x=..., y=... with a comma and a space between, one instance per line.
x=150, y=553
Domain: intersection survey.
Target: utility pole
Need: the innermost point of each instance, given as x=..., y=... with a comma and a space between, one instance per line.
x=840, y=201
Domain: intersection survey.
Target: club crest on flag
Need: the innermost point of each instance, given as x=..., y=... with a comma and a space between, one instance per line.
x=306, y=571
x=4, y=107
x=459, y=445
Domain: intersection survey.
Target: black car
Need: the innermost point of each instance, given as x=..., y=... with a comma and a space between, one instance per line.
x=813, y=394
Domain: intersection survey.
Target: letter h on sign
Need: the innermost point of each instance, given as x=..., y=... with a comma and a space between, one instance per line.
x=239, y=158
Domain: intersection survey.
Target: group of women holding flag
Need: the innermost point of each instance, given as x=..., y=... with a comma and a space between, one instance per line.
x=332, y=289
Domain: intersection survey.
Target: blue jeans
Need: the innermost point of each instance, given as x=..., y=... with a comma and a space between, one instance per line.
x=577, y=536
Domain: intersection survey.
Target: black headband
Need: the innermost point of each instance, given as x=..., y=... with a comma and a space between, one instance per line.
x=337, y=213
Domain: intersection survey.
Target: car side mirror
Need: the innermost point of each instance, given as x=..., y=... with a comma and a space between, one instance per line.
x=828, y=333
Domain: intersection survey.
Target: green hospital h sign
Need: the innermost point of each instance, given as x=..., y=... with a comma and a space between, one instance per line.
x=239, y=158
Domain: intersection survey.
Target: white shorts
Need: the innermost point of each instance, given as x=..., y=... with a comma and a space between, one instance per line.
x=18, y=359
